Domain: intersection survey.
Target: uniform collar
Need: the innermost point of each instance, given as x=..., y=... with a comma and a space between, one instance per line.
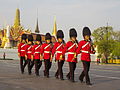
x=29, y=44
x=60, y=43
x=87, y=40
x=72, y=41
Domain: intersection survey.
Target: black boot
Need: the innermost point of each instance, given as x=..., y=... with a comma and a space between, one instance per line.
x=22, y=71
x=47, y=76
x=72, y=80
x=56, y=76
x=62, y=78
x=44, y=73
x=88, y=83
x=81, y=80
x=29, y=72
x=68, y=77
x=37, y=73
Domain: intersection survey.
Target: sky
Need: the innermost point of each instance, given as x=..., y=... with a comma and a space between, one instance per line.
x=69, y=14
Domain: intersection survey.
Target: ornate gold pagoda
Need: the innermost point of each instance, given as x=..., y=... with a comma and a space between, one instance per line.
x=17, y=18
x=15, y=32
x=54, y=28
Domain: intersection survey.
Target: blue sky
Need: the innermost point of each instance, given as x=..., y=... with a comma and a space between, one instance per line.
x=69, y=13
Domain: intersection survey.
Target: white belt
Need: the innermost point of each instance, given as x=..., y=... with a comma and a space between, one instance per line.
x=71, y=52
x=46, y=51
x=84, y=51
x=29, y=52
x=37, y=52
x=22, y=50
x=58, y=51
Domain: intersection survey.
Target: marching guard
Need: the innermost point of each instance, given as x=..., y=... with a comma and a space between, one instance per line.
x=46, y=51
x=70, y=48
x=36, y=51
x=57, y=51
x=85, y=47
x=29, y=52
x=22, y=52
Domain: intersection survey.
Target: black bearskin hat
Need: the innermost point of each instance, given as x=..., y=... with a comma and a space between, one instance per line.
x=30, y=38
x=72, y=32
x=38, y=37
x=60, y=34
x=24, y=37
x=48, y=36
x=86, y=31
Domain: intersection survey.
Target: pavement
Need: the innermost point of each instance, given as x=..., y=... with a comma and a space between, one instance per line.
x=103, y=77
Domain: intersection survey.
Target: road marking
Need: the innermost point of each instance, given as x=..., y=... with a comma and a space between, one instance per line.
x=105, y=76
x=99, y=70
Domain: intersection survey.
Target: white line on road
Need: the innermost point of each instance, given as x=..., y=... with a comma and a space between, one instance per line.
x=105, y=76
x=99, y=70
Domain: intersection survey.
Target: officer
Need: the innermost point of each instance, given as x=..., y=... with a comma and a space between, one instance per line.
x=57, y=51
x=29, y=52
x=46, y=51
x=22, y=52
x=70, y=48
x=36, y=51
x=85, y=48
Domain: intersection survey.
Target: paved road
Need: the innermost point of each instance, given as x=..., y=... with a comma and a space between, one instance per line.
x=103, y=77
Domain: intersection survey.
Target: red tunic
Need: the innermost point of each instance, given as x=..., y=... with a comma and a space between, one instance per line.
x=22, y=49
x=84, y=48
x=46, y=50
x=57, y=50
x=70, y=47
x=36, y=50
x=29, y=51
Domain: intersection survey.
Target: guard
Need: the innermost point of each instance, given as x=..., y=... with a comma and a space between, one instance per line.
x=85, y=47
x=22, y=52
x=57, y=51
x=70, y=48
x=46, y=51
x=29, y=52
x=36, y=51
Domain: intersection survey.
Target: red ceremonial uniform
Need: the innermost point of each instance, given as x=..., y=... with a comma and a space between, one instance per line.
x=46, y=50
x=57, y=50
x=22, y=49
x=36, y=50
x=29, y=51
x=71, y=47
x=84, y=48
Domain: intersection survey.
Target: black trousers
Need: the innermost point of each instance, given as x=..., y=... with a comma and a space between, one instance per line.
x=32, y=64
x=72, y=67
x=38, y=64
x=23, y=63
x=85, y=72
x=29, y=65
x=59, y=70
x=47, y=67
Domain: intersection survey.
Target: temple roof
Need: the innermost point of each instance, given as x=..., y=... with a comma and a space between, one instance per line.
x=37, y=28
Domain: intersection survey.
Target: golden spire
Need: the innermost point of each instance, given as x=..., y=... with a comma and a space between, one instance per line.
x=17, y=18
x=54, y=28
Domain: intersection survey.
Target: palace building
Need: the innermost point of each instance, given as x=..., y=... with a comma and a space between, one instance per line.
x=10, y=36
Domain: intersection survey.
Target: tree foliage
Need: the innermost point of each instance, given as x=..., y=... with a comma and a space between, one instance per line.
x=107, y=41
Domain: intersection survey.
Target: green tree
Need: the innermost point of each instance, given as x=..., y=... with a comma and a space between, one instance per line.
x=103, y=38
x=116, y=45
